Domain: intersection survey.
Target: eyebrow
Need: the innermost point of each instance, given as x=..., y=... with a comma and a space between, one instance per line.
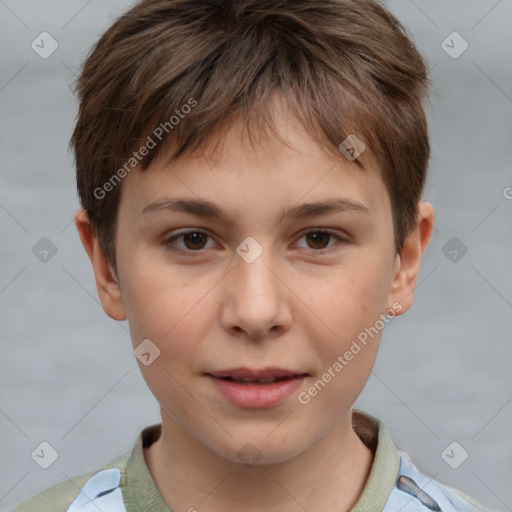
x=206, y=209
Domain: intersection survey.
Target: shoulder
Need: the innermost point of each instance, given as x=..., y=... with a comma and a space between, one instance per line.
x=102, y=487
x=56, y=498
x=416, y=491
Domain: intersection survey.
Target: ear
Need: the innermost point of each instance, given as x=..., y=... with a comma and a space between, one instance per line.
x=407, y=263
x=107, y=284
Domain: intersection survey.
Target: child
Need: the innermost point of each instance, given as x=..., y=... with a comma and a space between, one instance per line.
x=289, y=137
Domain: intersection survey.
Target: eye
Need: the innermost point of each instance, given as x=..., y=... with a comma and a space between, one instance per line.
x=196, y=240
x=193, y=240
x=319, y=240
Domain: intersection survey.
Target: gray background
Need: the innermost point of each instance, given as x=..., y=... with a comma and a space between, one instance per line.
x=68, y=375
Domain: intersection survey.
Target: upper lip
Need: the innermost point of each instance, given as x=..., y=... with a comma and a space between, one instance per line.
x=249, y=373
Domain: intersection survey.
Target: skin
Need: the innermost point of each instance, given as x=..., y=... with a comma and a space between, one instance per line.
x=298, y=306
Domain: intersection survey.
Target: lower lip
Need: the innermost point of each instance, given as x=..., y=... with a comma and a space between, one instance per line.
x=257, y=395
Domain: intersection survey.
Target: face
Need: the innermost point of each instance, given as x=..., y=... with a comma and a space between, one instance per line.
x=223, y=266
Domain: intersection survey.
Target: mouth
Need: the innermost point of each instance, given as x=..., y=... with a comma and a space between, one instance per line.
x=252, y=376
x=249, y=388
x=248, y=381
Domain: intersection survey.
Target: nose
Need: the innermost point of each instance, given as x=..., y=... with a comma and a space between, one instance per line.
x=256, y=303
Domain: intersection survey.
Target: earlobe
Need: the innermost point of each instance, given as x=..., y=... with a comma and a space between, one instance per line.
x=107, y=285
x=407, y=263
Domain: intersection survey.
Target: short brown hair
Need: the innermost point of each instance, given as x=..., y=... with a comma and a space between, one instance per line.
x=343, y=66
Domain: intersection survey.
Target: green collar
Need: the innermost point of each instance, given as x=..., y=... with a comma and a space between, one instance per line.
x=141, y=494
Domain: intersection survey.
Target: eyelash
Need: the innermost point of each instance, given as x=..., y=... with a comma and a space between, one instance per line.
x=169, y=242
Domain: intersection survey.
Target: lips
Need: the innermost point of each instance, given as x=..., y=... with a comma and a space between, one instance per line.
x=253, y=376
x=256, y=389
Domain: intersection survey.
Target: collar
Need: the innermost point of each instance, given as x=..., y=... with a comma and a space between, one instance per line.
x=141, y=494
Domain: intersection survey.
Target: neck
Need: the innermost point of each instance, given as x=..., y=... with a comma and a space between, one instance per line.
x=330, y=475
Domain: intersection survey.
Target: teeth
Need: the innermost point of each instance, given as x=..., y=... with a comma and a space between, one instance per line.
x=258, y=381
x=269, y=380
x=247, y=380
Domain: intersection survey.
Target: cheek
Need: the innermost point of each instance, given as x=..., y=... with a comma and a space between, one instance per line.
x=347, y=356
x=169, y=309
x=164, y=304
x=350, y=304
x=350, y=301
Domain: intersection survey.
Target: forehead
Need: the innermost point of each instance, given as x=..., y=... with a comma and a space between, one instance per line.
x=246, y=175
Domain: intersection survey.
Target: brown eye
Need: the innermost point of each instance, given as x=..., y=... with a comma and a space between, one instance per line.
x=318, y=239
x=192, y=241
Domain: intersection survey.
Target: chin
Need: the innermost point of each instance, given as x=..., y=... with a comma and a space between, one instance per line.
x=257, y=450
